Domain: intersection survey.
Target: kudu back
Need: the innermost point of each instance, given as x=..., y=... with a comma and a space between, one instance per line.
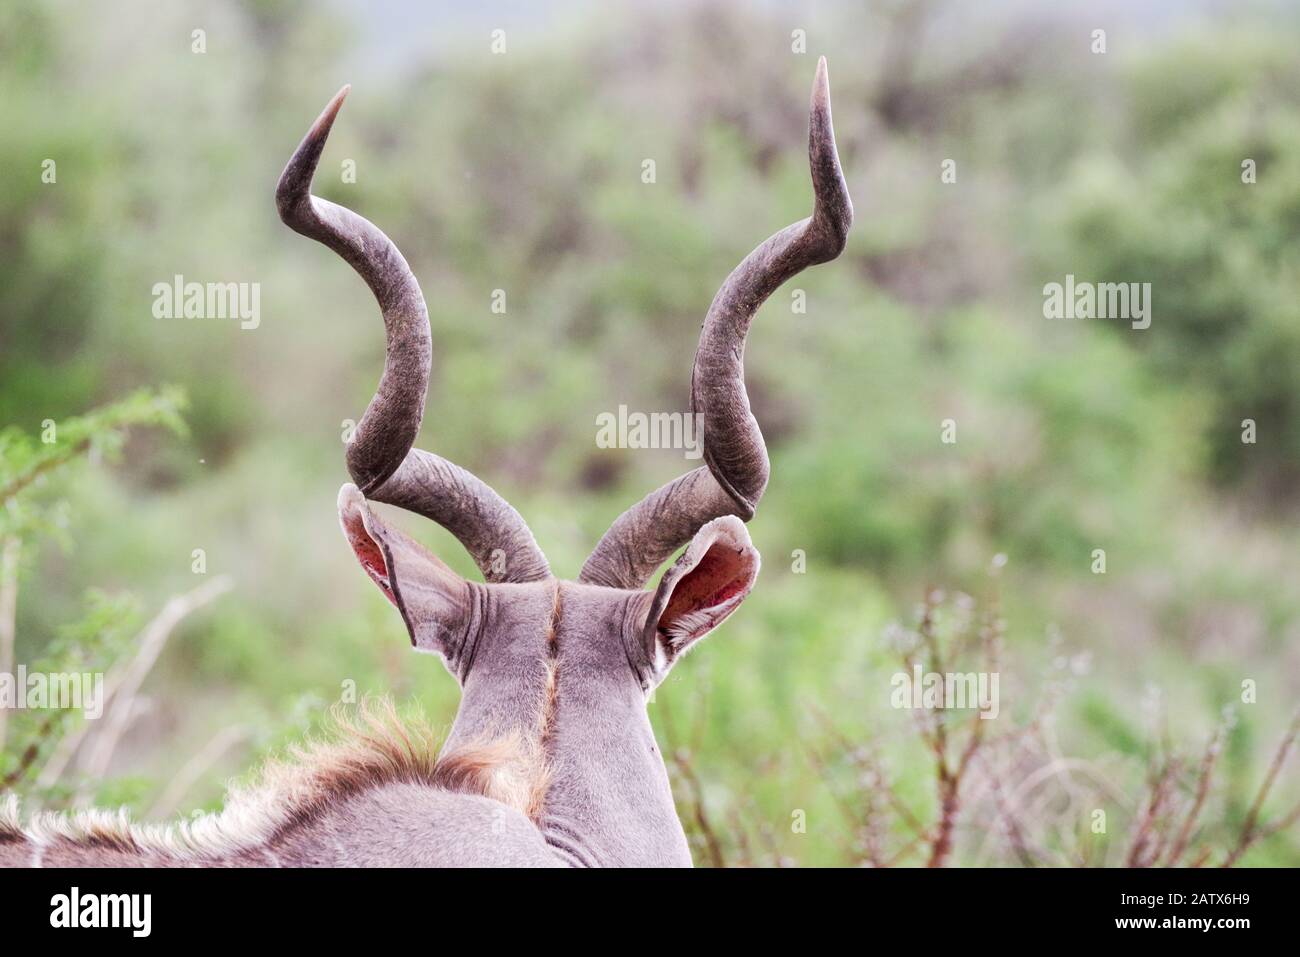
x=551, y=759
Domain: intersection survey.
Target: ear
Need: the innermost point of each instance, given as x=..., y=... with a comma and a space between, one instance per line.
x=434, y=601
x=706, y=584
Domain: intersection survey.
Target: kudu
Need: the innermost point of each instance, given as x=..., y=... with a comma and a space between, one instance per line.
x=551, y=759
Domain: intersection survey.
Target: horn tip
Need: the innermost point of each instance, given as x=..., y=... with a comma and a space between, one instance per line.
x=292, y=192
x=323, y=122
x=821, y=91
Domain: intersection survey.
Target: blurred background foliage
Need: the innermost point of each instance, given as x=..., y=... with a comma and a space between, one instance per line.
x=522, y=172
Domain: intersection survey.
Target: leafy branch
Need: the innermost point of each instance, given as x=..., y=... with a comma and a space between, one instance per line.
x=24, y=458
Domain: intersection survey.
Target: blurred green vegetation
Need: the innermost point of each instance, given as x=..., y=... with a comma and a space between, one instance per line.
x=523, y=173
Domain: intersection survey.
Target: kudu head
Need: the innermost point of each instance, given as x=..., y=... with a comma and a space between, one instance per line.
x=564, y=668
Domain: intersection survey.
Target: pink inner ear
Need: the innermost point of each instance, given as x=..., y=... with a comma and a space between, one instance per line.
x=368, y=552
x=724, y=573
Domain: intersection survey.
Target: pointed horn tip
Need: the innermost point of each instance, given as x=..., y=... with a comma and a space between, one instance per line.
x=321, y=127
x=821, y=84
x=293, y=189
